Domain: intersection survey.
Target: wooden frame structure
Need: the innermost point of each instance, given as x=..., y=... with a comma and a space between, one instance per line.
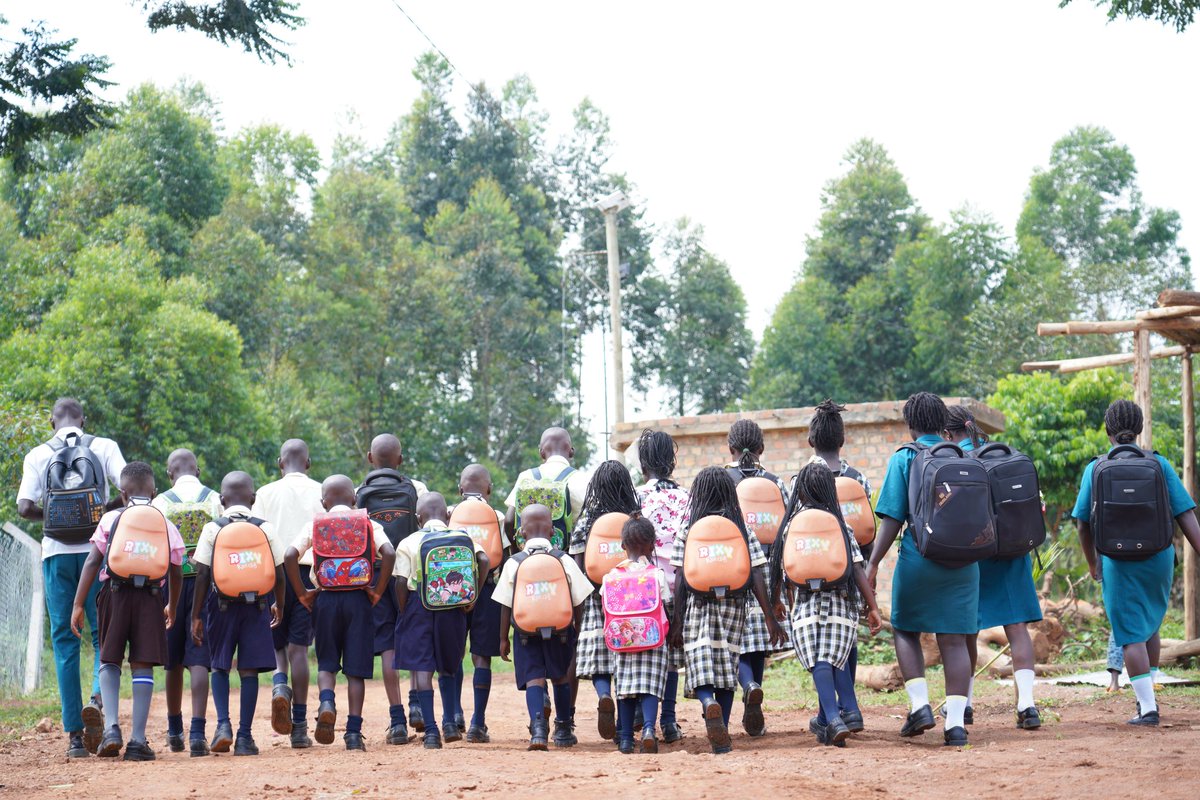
x=1177, y=318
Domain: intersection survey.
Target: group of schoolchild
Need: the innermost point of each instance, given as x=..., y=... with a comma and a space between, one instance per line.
x=601, y=579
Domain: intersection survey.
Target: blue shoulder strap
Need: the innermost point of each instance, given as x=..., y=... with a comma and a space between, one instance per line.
x=536, y=473
x=565, y=473
x=171, y=496
x=204, y=493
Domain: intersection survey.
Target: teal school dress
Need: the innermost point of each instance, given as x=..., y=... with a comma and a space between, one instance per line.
x=1007, y=595
x=926, y=597
x=1136, y=593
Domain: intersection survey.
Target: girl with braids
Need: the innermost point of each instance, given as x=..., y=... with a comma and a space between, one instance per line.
x=746, y=446
x=609, y=490
x=824, y=624
x=712, y=628
x=926, y=597
x=665, y=504
x=1136, y=593
x=1007, y=596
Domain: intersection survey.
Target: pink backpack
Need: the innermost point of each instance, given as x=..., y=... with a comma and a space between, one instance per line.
x=635, y=617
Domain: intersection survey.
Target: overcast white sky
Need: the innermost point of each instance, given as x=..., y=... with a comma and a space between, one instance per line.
x=732, y=114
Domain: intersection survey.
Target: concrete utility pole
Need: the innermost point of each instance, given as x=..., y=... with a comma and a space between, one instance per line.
x=611, y=206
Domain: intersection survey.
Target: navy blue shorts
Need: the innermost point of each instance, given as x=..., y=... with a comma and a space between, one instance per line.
x=182, y=651
x=485, y=624
x=384, y=614
x=345, y=633
x=430, y=641
x=535, y=657
x=243, y=627
x=296, y=626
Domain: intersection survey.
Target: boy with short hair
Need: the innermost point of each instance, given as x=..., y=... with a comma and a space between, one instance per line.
x=189, y=505
x=230, y=625
x=556, y=452
x=430, y=641
x=345, y=628
x=129, y=615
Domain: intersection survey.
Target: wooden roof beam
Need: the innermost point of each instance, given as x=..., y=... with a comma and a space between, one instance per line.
x=1117, y=326
x=1097, y=362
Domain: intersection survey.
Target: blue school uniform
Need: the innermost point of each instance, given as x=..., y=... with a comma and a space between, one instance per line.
x=485, y=621
x=535, y=657
x=384, y=615
x=182, y=650
x=426, y=641
x=345, y=633
x=1136, y=593
x=241, y=627
x=1007, y=595
x=926, y=597
x=296, y=625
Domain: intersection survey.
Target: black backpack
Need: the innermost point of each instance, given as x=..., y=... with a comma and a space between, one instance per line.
x=950, y=506
x=75, y=490
x=1131, y=513
x=1016, y=500
x=391, y=500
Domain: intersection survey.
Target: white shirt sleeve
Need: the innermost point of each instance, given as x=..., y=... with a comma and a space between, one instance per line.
x=31, y=479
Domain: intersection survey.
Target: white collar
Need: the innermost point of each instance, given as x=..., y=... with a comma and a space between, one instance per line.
x=186, y=480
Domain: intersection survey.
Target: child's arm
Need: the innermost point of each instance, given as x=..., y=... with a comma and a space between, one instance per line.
x=676, y=634
x=1089, y=546
x=760, y=594
x=401, y=594
x=1191, y=529
x=388, y=556
x=578, y=617
x=889, y=529
x=87, y=577
x=203, y=581
x=291, y=565
x=505, y=621
x=874, y=620
x=277, y=609
x=174, y=587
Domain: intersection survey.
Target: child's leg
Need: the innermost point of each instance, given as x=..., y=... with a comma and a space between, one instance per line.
x=606, y=725
x=603, y=684
x=298, y=661
x=174, y=697
x=957, y=667
x=843, y=684
x=912, y=667
x=745, y=670
x=706, y=694
x=564, y=710
x=649, y=704
x=423, y=681
x=973, y=653
x=725, y=698
x=220, y=694
x=356, y=694
x=459, y=677
x=851, y=670
x=1137, y=661
x=759, y=662
x=626, y=708
x=110, y=693
x=822, y=673
x=448, y=685
x=198, y=678
x=1154, y=650
x=482, y=683
x=1021, y=647
x=143, y=692
x=535, y=697
x=391, y=677
x=670, y=693
x=248, y=697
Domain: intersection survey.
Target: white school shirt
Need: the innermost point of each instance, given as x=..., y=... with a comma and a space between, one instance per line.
x=303, y=542
x=208, y=538
x=577, y=483
x=408, y=553
x=188, y=489
x=290, y=503
x=33, y=480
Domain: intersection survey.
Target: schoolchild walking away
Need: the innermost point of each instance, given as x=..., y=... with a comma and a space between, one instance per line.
x=610, y=491
x=346, y=545
x=1127, y=501
x=928, y=596
x=665, y=504
x=475, y=515
x=635, y=597
x=716, y=562
x=390, y=498
x=437, y=581
x=189, y=505
x=291, y=503
x=138, y=555
x=239, y=558
x=820, y=563
x=763, y=498
x=827, y=437
x=1007, y=596
x=541, y=591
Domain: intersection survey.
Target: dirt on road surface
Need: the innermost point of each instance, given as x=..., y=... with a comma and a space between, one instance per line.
x=1084, y=749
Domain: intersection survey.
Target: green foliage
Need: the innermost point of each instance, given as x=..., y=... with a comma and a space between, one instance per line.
x=1178, y=14
x=244, y=22
x=22, y=426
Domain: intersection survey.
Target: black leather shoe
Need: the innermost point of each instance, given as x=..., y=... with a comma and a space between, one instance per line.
x=415, y=718
x=969, y=715
x=752, y=715
x=606, y=717
x=539, y=739
x=1029, y=719
x=918, y=721
x=715, y=728
x=433, y=738
x=451, y=732
x=245, y=746
x=75, y=746
x=110, y=744
x=564, y=733
x=836, y=732
x=1149, y=719
x=197, y=748
x=138, y=751
x=853, y=720
x=222, y=738
x=478, y=734
x=175, y=742
x=625, y=746
x=300, y=738
x=93, y=724
x=354, y=741
x=817, y=728
x=671, y=732
x=326, y=719
x=397, y=734
x=649, y=740
x=281, y=709
x=956, y=737
x=460, y=721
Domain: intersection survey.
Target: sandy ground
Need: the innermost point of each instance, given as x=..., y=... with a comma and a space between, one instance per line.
x=1084, y=748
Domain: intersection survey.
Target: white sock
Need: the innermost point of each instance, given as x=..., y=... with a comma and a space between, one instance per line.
x=971, y=692
x=956, y=705
x=1143, y=687
x=1024, y=681
x=1156, y=674
x=918, y=693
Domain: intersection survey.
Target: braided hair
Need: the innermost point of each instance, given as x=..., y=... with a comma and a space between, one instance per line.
x=656, y=452
x=925, y=413
x=960, y=424
x=610, y=489
x=826, y=431
x=640, y=531
x=746, y=439
x=715, y=494
x=1123, y=421
x=815, y=488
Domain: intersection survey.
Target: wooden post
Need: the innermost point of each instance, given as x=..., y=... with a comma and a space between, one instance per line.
x=1191, y=560
x=1141, y=383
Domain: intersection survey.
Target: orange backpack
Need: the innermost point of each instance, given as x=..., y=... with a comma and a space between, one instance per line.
x=541, y=604
x=856, y=509
x=243, y=566
x=604, y=549
x=139, y=548
x=716, y=557
x=816, y=550
x=479, y=520
x=762, y=506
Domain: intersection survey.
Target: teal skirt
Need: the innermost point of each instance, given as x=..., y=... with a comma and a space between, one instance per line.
x=1007, y=595
x=1136, y=594
x=928, y=598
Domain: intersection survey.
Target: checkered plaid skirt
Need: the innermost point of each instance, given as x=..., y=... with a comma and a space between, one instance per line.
x=712, y=641
x=824, y=627
x=592, y=656
x=755, y=638
x=641, y=673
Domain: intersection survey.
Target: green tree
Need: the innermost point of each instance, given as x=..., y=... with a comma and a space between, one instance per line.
x=1176, y=13
x=22, y=426
x=245, y=22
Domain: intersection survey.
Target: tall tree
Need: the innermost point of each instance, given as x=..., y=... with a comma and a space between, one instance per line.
x=1178, y=14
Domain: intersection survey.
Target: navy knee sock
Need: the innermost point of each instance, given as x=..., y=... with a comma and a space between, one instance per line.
x=564, y=711
x=219, y=683
x=300, y=714
x=327, y=696
x=626, y=708
x=843, y=683
x=649, y=710
x=668, y=703
x=458, y=684
x=175, y=724
x=535, y=700
x=725, y=698
x=482, y=682
x=197, y=729
x=249, y=699
x=278, y=678
x=425, y=701
x=745, y=671
x=705, y=693
x=446, y=686
x=396, y=713
x=758, y=662
x=603, y=684
x=822, y=673
x=353, y=723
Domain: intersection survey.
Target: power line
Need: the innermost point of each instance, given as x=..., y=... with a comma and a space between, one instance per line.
x=433, y=44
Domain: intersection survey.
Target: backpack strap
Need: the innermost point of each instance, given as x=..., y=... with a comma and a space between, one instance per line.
x=536, y=472
x=171, y=496
x=205, y=492
x=565, y=473
x=221, y=522
x=915, y=447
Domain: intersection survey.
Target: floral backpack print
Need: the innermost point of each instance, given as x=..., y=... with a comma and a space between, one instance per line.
x=635, y=616
x=343, y=546
x=449, y=574
x=190, y=517
x=665, y=504
x=554, y=494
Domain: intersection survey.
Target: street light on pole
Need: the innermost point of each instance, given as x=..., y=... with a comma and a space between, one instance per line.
x=612, y=205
